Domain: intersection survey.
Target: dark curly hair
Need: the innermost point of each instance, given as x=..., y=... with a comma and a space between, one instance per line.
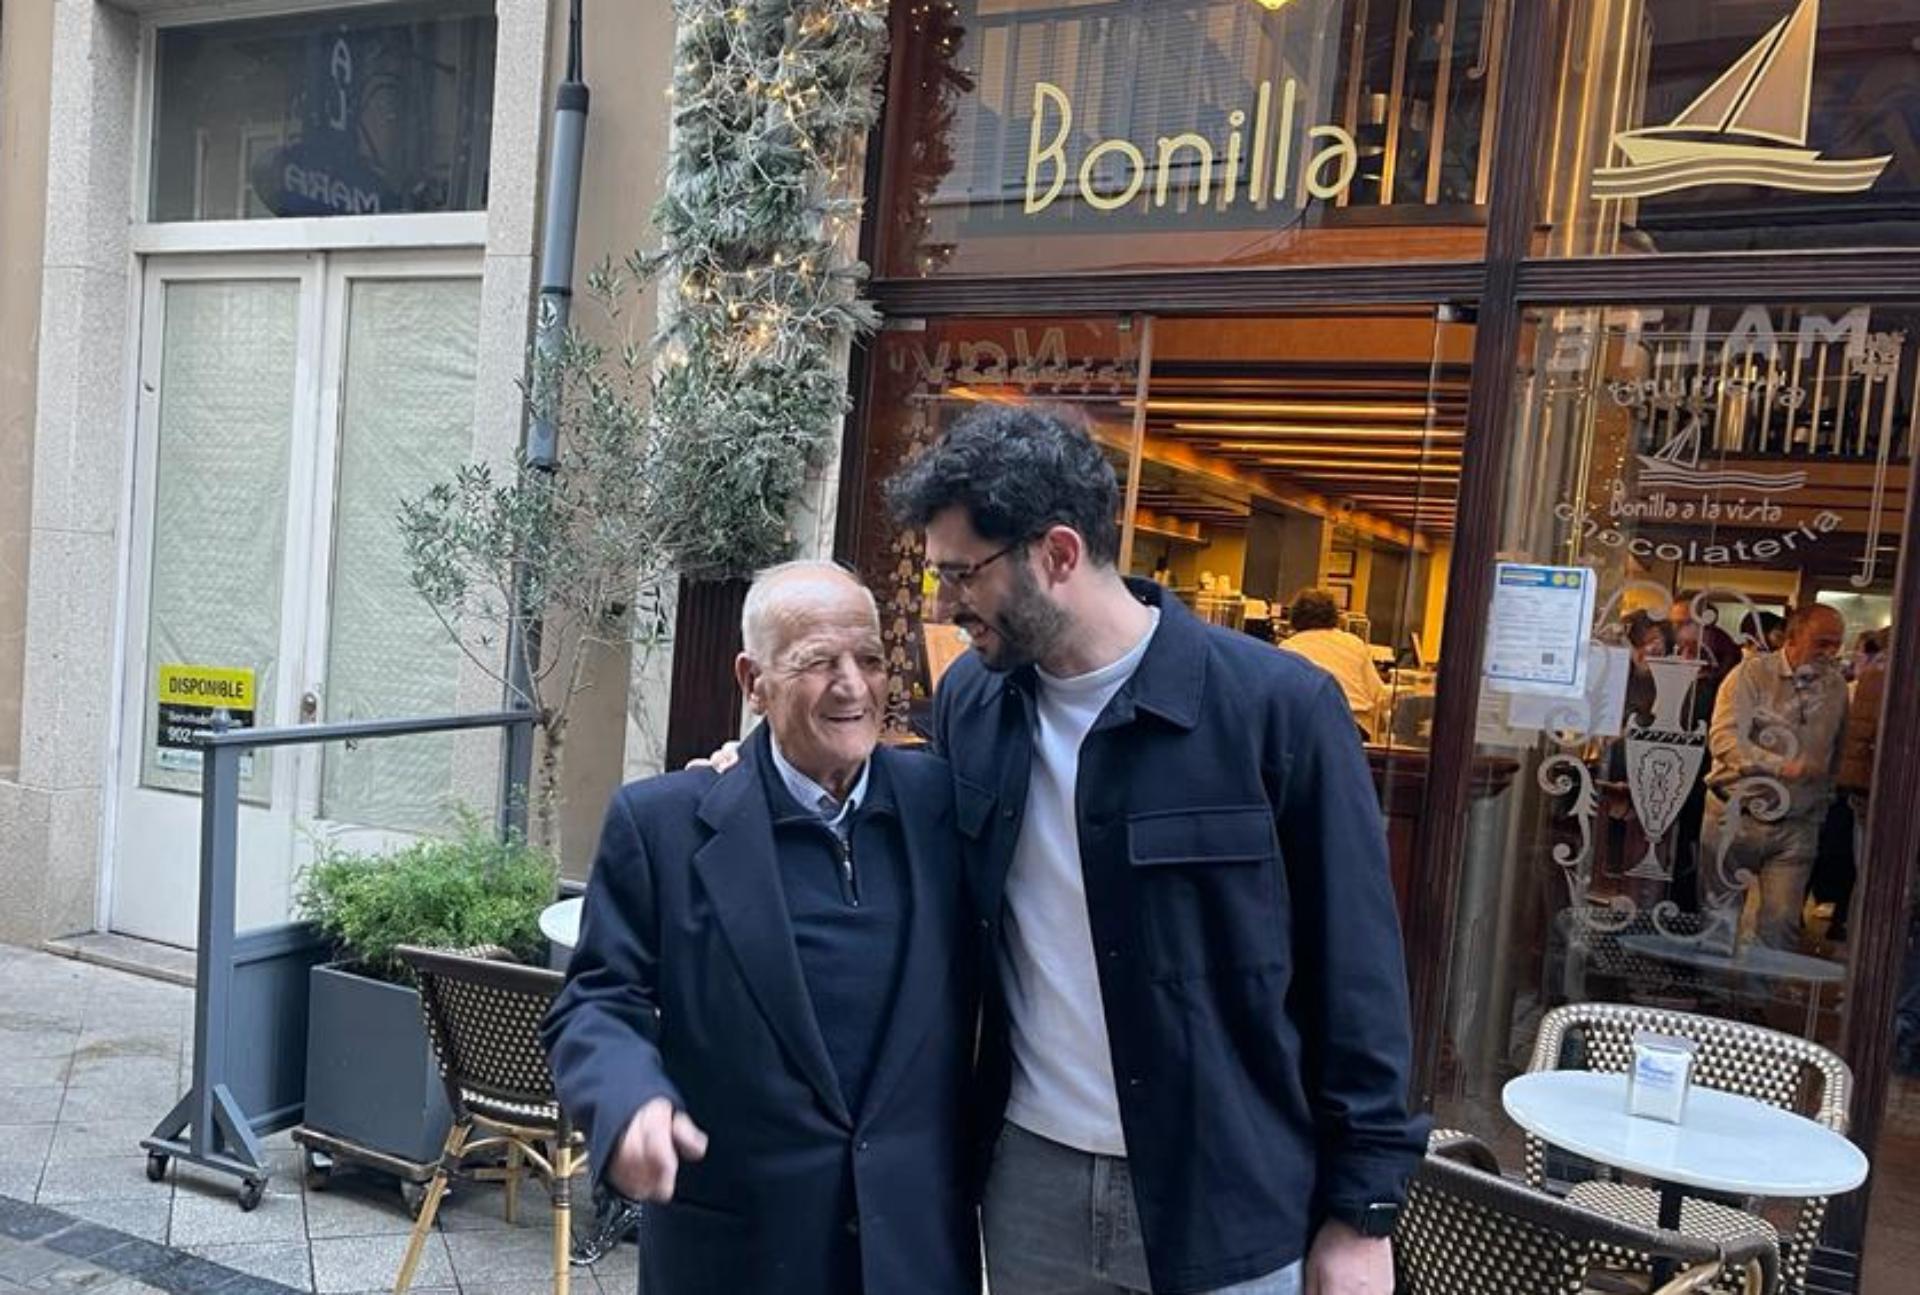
x=1314, y=609
x=1016, y=470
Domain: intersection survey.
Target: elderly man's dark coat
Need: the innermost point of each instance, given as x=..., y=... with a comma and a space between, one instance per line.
x=686, y=984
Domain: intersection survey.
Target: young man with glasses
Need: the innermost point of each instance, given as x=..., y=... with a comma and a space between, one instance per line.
x=1196, y=1051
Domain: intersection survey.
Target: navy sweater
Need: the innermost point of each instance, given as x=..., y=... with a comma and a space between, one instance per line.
x=849, y=932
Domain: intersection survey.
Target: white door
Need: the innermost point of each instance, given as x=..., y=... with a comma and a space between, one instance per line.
x=286, y=405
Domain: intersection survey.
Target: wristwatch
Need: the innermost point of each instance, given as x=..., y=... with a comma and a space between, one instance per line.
x=1375, y=1220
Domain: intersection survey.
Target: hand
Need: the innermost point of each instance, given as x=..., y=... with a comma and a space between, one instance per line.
x=647, y=1161
x=1342, y=1262
x=720, y=761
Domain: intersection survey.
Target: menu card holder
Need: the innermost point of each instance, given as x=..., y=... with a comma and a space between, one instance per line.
x=1661, y=1077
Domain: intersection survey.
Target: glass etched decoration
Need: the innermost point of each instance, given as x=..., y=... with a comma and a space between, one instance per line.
x=1664, y=759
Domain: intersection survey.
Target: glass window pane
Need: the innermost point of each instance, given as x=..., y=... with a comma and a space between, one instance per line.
x=359, y=111
x=1276, y=455
x=1133, y=134
x=406, y=421
x=1680, y=825
x=1691, y=127
x=925, y=381
x=227, y=368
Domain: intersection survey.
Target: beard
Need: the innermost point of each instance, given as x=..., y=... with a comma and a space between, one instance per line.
x=1026, y=629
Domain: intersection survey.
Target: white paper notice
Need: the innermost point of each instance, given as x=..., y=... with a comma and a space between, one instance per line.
x=1541, y=626
x=1599, y=713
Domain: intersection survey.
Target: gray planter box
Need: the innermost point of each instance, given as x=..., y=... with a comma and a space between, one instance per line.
x=371, y=1076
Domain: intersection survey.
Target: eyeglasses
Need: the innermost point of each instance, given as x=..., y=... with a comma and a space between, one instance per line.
x=960, y=578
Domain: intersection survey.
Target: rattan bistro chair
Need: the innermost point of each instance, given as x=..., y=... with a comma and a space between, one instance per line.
x=1779, y=1069
x=484, y=1017
x=1468, y=1231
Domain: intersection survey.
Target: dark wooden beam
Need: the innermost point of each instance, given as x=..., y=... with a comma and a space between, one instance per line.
x=1708, y=279
x=1881, y=899
x=1441, y=834
x=704, y=707
x=1196, y=292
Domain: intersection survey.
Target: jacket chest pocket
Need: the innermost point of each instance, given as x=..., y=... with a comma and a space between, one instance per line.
x=1205, y=884
x=973, y=807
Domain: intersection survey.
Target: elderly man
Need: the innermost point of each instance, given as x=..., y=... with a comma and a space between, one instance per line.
x=1779, y=716
x=1196, y=1054
x=768, y=1024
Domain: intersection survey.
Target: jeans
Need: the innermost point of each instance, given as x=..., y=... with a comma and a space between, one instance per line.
x=1061, y=1222
x=1779, y=855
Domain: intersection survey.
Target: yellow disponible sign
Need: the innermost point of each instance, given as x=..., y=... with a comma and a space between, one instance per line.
x=205, y=685
x=193, y=698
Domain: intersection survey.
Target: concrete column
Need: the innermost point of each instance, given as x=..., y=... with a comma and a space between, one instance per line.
x=51, y=810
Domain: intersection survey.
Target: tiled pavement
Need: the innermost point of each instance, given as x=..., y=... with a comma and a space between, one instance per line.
x=90, y=1058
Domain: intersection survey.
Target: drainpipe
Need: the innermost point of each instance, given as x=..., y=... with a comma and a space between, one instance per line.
x=540, y=447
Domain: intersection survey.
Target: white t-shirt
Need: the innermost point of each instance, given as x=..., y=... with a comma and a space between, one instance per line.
x=1062, y=1070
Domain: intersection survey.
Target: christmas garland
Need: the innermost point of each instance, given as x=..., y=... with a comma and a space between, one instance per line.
x=772, y=101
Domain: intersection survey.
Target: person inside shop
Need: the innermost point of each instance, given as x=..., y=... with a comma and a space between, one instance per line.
x=1779, y=716
x=768, y=1024
x=1318, y=637
x=1859, y=747
x=1647, y=638
x=1763, y=632
x=1697, y=640
x=1195, y=1056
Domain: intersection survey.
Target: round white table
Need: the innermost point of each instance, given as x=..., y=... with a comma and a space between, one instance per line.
x=1754, y=960
x=560, y=923
x=1725, y=1144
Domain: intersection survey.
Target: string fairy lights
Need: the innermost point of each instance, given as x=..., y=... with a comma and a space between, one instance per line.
x=771, y=104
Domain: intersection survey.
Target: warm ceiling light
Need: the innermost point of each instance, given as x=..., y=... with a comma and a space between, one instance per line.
x=1289, y=408
x=1400, y=471
x=1273, y=6
x=1344, y=451
x=1341, y=431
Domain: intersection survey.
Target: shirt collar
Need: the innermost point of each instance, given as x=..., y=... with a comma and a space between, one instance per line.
x=810, y=795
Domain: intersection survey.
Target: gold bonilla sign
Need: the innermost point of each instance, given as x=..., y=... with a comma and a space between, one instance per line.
x=1266, y=154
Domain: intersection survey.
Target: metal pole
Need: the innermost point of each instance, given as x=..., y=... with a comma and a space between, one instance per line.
x=217, y=1133
x=213, y=976
x=524, y=631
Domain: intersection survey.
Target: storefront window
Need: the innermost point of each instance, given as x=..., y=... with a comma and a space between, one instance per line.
x=1266, y=458
x=923, y=381
x=1764, y=126
x=1687, y=651
x=1028, y=137
x=359, y=112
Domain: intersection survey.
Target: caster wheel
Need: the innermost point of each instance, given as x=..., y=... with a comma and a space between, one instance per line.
x=250, y=1193
x=156, y=1166
x=415, y=1197
x=316, y=1170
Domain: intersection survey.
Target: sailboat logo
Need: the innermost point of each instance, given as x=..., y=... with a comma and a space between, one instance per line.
x=1677, y=465
x=1749, y=127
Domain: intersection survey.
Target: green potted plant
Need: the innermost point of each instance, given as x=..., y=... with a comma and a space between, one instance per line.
x=373, y=1086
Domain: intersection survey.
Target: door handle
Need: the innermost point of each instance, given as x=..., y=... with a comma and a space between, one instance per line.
x=309, y=706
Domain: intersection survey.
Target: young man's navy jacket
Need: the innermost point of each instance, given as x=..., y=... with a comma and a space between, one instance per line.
x=1243, y=921
x=687, y=984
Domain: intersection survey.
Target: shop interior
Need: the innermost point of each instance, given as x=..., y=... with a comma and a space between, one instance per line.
x=1739, y=461
x=1284, y=454
x=1266, y=456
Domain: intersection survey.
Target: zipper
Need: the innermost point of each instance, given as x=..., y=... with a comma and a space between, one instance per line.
x=849, y=882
